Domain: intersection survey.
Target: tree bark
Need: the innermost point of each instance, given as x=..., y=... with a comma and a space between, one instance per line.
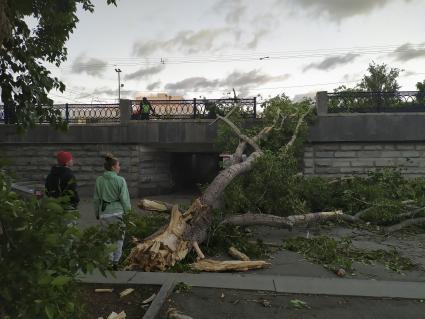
x=251, y=219
x=405, y=223
x=228, y=265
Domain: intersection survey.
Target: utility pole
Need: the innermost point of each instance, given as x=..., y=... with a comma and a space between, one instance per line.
x=119, y=83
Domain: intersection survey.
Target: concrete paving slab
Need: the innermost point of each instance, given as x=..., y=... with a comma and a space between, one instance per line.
x=285, y=284
x=353, y=287
x=121, y=277
x=226, y=281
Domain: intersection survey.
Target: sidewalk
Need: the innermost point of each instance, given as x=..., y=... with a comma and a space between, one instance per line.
x=282, y=284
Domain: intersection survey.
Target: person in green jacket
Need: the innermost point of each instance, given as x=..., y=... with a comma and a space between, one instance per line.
x=112, y=201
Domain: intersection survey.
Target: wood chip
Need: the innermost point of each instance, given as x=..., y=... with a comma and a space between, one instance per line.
x=115, y=315
x=231, y=265
x=150, y=299
x=238, y=254
x=174, y=314
x=104, y=290
x=126, y=292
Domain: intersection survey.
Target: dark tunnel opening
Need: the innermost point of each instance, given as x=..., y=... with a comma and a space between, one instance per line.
x=191, y=170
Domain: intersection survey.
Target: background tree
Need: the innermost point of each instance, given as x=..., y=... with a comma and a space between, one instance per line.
x=421, y=86
x=381, y=78
x=420, y=97
x=25, y=80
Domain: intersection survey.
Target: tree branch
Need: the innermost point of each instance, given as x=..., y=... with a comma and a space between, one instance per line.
x=250, y=219
x=239, y=133
x=406, y=223
x=296, y=131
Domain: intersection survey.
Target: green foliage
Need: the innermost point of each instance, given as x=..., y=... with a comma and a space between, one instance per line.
x=299, y=304
x=420, y=86
x=24, y=53
x=268, y=187
x=382, y=192
x=271, y=187
x=335, y=254
x=381, y=78
x=182, y=287
x=41, y=254
x=222, y=237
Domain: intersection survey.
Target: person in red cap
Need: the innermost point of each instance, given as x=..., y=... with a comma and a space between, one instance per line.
x=61, y=180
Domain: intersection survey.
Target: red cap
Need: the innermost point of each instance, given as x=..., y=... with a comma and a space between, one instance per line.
x=64, y=157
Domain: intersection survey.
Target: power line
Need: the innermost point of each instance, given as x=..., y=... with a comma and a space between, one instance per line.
x=257, y=89
x=252, y=56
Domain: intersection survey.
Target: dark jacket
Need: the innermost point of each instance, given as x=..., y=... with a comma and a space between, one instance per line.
x=61, y=182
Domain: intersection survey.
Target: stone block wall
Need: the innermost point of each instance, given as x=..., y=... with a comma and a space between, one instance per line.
x=147, y=171
x=357, y=158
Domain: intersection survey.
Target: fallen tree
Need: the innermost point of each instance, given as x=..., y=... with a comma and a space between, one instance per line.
x=273, y=189
x=187, y=230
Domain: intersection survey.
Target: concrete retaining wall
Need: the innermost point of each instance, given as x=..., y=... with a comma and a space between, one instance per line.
x=353, y=144
x=344, y=158
x=147, y=171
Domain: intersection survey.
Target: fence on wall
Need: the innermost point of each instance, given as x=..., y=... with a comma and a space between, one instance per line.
x=373, y=102
x=162, y=109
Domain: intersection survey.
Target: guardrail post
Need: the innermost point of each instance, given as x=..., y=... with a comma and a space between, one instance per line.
x=255, y=107
x=125, y=113
x=194, y=108
x=66, y=113
x=322, y=100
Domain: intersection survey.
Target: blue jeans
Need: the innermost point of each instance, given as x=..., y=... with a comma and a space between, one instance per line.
x=115, y=256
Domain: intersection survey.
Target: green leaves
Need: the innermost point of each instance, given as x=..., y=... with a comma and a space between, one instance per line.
x=50, y=311
x=42, y=255
x=24, y=80
x=61, y=281
x=335, y=254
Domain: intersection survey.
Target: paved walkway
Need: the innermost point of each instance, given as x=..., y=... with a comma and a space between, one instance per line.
x=282, y=284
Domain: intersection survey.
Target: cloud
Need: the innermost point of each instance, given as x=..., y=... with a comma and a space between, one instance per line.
x=302, y=96
x=106, y=92
x=193, y=83
x=407, y=52
x=91, y=66
x=153, y=86
x=185, y=41
x=339, y=9
x=144, y=72
x=331, y=62
x=241, y=81
x=233, y=10
x=257, y=36
x=254, y=77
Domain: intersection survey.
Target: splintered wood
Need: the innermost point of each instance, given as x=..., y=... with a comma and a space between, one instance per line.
x=228, y=265
x=237, y=254
x=164, y=249
x=155, y=206
x=126, y=292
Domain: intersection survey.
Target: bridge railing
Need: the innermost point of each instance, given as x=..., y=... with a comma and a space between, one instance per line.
x=77, y=113
x=371, y=102
x=195, y=108
x=163, y=109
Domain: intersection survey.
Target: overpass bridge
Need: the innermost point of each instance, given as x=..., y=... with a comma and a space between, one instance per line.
x=353, y=134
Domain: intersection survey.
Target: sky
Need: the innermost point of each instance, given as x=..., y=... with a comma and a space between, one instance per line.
x=206, y=48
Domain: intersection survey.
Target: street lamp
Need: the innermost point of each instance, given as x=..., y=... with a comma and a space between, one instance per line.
x=119, y=83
